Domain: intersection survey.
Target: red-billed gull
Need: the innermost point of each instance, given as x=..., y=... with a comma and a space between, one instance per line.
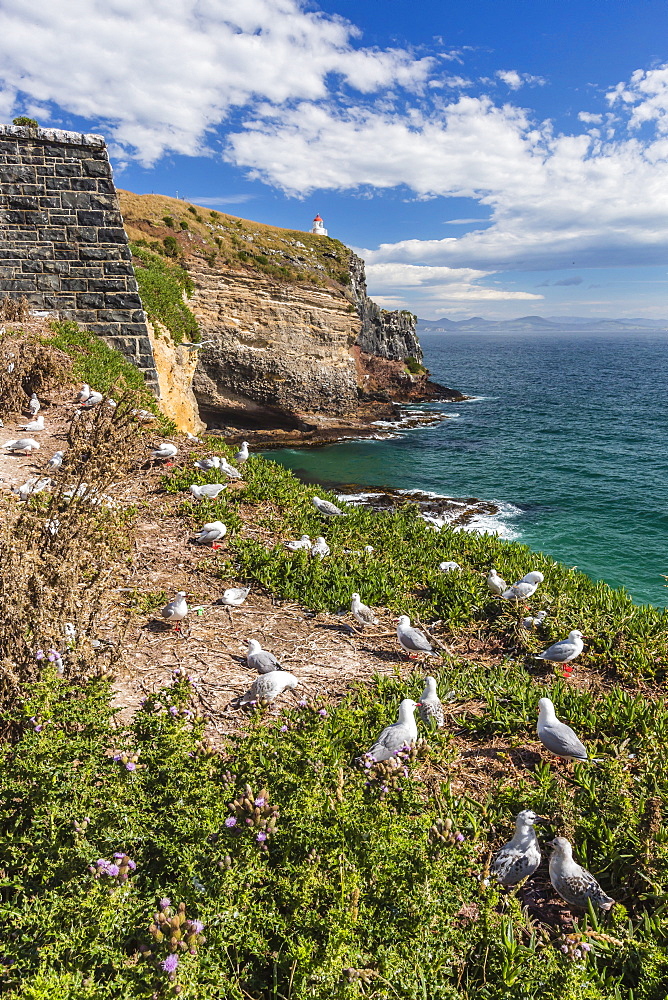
x=556, y=736
x=327, y=508
x=524, y=588
x=520, y=857
x=260, y=659
x=430, y=707
x=565, y=650
x=361, y=612
x=412, y=640
x=266, y=687
x=573, y=883
x=495, y=584
x=22, y=444
x=402, y=733
x=211, y=532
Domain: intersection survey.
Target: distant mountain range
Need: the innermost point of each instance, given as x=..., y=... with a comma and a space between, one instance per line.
x=538, y=324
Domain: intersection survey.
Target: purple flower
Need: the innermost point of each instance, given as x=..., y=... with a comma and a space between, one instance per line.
x=585, y=947
x=197, y=926
x=230, y=822
x=261, y=837
x=459, y=837
x=112, y=870
x=302, y=703
x=170, y=963
x=39, y=655
x=284, y=729
x=173, y=710
x=323, y=713
x=259, y=802
x=38, y=729
x=101, y=862
x=54, y=655
x=131, y=766
x=131, y=864
x=564, y=948
x=164, y=903
x=577, y=953
x=119, y=854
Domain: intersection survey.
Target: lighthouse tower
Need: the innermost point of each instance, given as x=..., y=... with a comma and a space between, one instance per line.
x=318, y=227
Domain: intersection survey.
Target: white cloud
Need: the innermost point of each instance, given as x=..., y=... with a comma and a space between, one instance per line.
x=515, y=80
x=435, y=288
x=590, y=119
x=163, y=72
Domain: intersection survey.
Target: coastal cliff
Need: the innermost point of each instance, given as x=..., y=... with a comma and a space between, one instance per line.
x=291, y=344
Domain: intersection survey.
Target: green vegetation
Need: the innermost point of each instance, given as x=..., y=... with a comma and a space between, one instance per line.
x=162, y=286
x=414, y=366
x=286, y=870
x=26, y=122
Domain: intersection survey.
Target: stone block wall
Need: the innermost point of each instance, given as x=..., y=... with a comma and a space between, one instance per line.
x=62, y=241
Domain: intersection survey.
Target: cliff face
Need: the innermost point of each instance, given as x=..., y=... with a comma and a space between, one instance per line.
x=384, y=334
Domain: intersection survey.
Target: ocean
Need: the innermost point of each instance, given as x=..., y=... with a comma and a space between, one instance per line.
x=566, y=433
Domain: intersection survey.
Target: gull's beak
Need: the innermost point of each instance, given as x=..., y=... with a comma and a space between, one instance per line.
x=419, y=704
x=542, y=819
x=551, y=843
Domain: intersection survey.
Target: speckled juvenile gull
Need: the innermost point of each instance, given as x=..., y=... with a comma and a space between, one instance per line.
x=213, y=531
x=234, y=597
x=35, y=484
x=429, y=705
x=327, y=508
x=320, y=548
x=412, y=640
x=229, y=470
x=165, y=451
x=55, y=461
x=524, y=588
x=295, y=545
x=209, y=491
x=33, y=425
x=242, y=455
x=573, y=883
x=520, y=857
x=83, y=393
x=22, y=444
x=260, y=659
x=177, y=609
x=448, y=567
x=556, y=736
x=34, y=405
x=267, y=687
x=361, y=612
x=565, y=650
x=495, y=584
x=400, y=734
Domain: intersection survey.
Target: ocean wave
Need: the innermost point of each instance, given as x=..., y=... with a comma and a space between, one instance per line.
x=494, y=524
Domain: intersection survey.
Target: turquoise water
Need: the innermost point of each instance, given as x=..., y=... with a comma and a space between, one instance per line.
x=567, y=433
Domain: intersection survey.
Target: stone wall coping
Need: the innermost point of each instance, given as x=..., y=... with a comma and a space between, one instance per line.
x=52, y=135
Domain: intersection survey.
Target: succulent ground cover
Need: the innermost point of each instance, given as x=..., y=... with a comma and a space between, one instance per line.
x=138, y=861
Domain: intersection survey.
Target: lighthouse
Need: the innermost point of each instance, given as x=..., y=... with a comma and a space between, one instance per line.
x=318, y=227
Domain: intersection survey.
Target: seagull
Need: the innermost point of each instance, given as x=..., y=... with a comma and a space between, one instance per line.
x=361, y=612
x=84, y=393
x=520, y=857
x=448, y=567
x=22, y=444
x=34, y=405
x=266, y=687
x=320, y=548
x=294, y=546
x=402, y=733
x=191, y=437
x=564, y=650
x=556, y=736
x=524, y=588
x=229, y=470
x=495, y=584
x=33, y=425
x=143, y=415
x=211, y=532
x=535, y=622
x=93, y=399
x=325, y=507
x=207, y=492
x=234, y=597
x=165, y=451
x=206, y=464
x=412, y=640
x=56, y=461
x=430, y=707
x=33, y=485
x=242, y=455
x=177, y=609
x=261, y=659
x=573, y=883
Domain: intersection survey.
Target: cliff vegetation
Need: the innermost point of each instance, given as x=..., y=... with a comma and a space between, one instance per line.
x=179, y=848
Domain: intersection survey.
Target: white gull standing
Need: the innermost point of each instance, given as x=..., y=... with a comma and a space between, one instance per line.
x=556, y=736
x=207, y=464
x=524, y=588
x=209, y=491
x=520, y=857
x=412, y=640
x=260, y=659
x=327, y=508
x=55, y=461
x=402, y=733
x=83, y=393
x=177, y=609
x=164, y=451
x=565, y=650
x=234, y=597
x=242, y=455
x=361, y=612
x=34, y=405
x=575, y=884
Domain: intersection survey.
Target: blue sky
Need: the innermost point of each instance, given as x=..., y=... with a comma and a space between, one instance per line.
x=486, y=158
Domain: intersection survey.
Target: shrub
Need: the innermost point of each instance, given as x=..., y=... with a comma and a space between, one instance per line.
x=169, y=221
x=413, y=366
x=161, y=286
x=26, y=122
x=171, y=245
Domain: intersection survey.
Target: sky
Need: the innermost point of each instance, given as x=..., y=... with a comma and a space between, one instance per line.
x=486, y=158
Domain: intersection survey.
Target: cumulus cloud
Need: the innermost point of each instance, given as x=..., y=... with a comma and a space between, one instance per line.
x=590, y=119
x=162, y=72
x=515, y=80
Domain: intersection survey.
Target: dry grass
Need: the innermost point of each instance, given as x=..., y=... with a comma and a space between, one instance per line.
x=27, y=365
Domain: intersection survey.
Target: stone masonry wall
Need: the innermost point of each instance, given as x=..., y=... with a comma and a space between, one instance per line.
x=62, y=241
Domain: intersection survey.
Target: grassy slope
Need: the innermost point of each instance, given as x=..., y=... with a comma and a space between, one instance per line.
x=355, y=893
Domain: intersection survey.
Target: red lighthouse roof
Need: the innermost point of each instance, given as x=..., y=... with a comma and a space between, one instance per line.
x=317, y=219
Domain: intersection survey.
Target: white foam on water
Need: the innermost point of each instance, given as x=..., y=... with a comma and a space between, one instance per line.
x=357, y=497
x=499, y=524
